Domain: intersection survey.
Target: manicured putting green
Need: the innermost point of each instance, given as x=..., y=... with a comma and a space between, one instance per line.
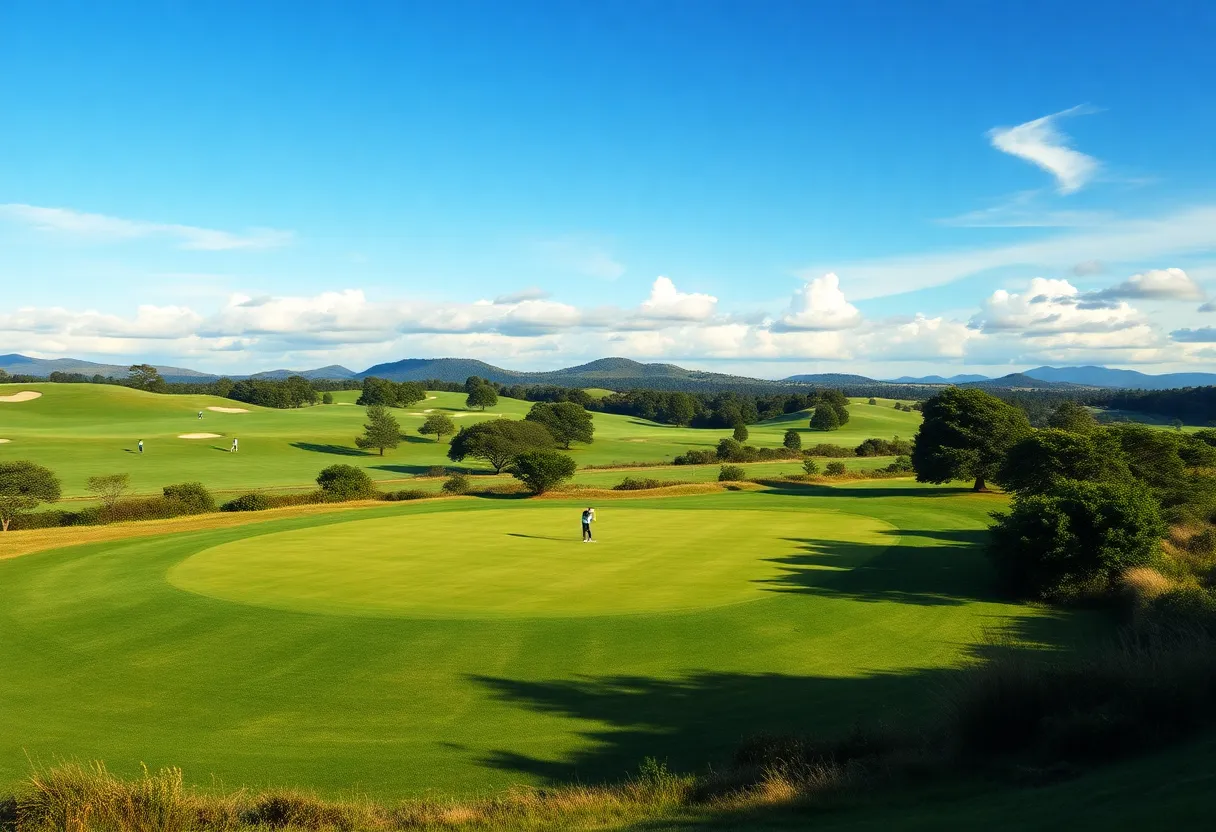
x=513, y=562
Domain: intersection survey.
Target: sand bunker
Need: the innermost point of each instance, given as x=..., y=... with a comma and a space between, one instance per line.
x=198, y=436
x=228, y=409
x=3, y=441
x=23, y=396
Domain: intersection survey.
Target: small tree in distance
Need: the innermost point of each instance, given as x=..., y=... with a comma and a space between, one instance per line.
x=810, y=467
x=740, y=434
x=481, y=397
x=438, y=424
x=146, y=377
x=792, y=440
x=23, y=485
x=327, y=398
x=382, y=430
x=542, y=470
x=109, y=487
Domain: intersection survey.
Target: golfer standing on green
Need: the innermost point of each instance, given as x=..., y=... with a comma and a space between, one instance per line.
x=588, y=519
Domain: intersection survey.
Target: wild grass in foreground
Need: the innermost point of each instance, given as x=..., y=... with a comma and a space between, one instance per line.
x=1012, y=720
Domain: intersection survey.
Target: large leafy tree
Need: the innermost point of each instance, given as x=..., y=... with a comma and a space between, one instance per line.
x=1072, y=417
x=838, y=401
x=1077, y=536
x=439, y=424
x=825, y=417
x=499, y=441
x=566, y=421
x=23, y=485
x=390, y=393
x=381, y=431
x=966, y=435
x=109, y=487
x=541, y=470
x=1047, y=457
x=146, y=377
x=481, y=397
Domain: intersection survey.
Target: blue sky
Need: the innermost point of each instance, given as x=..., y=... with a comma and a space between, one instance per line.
x=767, y=188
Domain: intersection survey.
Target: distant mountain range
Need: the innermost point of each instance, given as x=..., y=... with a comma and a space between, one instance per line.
x=1084, y=376
x=624, y=373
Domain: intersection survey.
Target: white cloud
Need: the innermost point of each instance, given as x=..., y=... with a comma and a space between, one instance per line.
x=1157, y=284
x=819, y=306
x=666, y=303
x=1026, y=210
x=921, y=338
x=1053, y=307
x=1040, y=143
x=1185, y=231
x=109, y=229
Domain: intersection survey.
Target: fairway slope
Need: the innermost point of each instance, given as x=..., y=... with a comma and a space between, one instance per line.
x=413, y=646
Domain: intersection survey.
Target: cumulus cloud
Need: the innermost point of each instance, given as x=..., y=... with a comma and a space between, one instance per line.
x=666, y=303
x=920, y=338
x=1157, y=284
x=1052, y=307
x=1041, y=143
x=819, y=306
x=101, y=227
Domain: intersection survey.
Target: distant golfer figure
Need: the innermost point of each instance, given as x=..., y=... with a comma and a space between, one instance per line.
x=588, y=519
x=200, y=414
x=140, y=445
x=235, y=446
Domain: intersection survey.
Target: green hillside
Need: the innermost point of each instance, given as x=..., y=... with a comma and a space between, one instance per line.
x=80, y=430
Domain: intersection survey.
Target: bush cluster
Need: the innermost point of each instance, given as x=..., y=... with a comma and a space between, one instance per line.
x=884, y=447
x=823, y=449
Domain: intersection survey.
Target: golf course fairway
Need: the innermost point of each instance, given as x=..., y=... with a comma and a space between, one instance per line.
x=428, y=646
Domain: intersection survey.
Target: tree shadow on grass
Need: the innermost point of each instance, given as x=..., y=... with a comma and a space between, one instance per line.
x=699, y=719
x=418, y=470
x=338, y=450
x=950, y=572
x=810, y=489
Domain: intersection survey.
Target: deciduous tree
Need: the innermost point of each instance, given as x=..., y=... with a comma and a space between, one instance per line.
x=566, y=421
x=966, y=435
x=438, y=424
x=541, y=470
x=23, y=485
x=499, y=441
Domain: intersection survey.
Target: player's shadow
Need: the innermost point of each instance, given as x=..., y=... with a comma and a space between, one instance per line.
x=541, y=536
x=809, y=489
x=337, y=450
x=419, y=470
x=949, y=571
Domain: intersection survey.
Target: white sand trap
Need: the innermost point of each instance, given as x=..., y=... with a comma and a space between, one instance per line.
x=228, y=410
x=3, y=441
x=198, y=436
x=428, y=398
x=23, y=396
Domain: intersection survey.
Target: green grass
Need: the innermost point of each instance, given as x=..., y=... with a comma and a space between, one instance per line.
x=80, y=430
x=419, y=646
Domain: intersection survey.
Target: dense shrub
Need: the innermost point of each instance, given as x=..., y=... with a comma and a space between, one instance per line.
x=826, y=450
x=729, y=449
x=901, y=465
x=825, y=417
x=255, y=501
x=740, y=433
x=884, y=447
x=406, y=494
x=637, y=484
x=792, y=440
x=193, y=496
x=142, y=508
x=456, y=484
x=810, y=467
x=1078, y=537
x=731, y=473
x=345, y=482
x=1046, y=457
x=696, y=458
x=542, y=470
x=835, y=469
